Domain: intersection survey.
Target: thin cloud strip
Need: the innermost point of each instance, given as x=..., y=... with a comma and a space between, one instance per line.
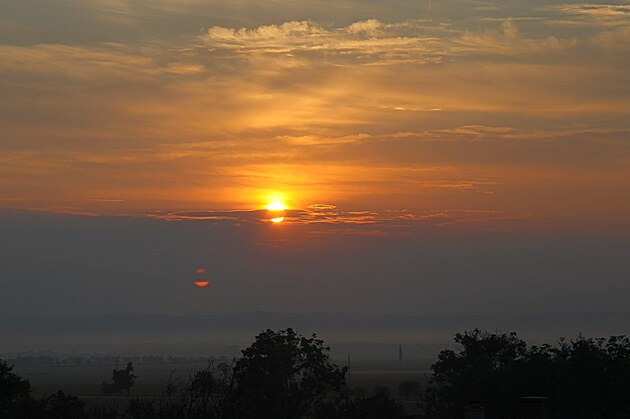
x=596, y=10
x=328, y=214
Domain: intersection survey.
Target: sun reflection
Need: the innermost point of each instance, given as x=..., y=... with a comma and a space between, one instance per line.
x=202, y=284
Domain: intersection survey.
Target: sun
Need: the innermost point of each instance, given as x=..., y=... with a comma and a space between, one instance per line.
x=276, y=206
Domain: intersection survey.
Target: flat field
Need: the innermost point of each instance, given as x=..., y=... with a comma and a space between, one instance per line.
x=85, y=381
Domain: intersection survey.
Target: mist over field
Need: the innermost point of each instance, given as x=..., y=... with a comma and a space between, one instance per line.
x=365, y=336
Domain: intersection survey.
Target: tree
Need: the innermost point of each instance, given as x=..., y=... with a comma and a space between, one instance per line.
x=580, y=379
x=409, y=389
x=478, y=373
x=15, y=391
x=283, y=375
x=122, y=380
x=204, y=394
x=62, y=406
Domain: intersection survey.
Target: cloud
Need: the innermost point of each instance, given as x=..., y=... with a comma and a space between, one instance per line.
x=373, y=42
x=386, y=222
x=613, y=40
x=287, y=32
x=366, y=40
x=591, y=16
x=596, y=10
x=370, y=27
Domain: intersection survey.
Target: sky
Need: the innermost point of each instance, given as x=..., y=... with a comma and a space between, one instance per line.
x=429, y=156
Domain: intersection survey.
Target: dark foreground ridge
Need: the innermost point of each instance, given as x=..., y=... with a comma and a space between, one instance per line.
x=284, y=375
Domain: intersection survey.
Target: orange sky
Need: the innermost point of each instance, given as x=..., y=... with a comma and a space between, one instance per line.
x=502, y=115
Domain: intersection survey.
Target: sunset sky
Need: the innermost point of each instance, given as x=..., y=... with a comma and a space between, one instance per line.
x=392, y=125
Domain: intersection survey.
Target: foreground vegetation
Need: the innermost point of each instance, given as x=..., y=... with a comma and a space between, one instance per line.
x=284, y=375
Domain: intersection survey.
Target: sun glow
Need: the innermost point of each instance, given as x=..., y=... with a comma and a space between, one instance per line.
x=276, y=206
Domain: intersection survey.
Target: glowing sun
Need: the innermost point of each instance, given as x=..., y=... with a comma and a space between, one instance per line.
x=276, y=206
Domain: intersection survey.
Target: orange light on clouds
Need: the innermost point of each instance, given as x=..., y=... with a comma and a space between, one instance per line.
x=277, y=220
x=202, y=284
x=200, y=270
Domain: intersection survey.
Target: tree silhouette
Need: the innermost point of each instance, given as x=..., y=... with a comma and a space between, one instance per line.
x=283, y=375
x=204, y=394
x=14, y=390
x=122, y=380
x=479, y=373
x=580, y=379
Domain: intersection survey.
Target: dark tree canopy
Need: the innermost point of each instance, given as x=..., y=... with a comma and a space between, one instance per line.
x=583, y=378
x=14, y=390
x=284, y=375
x=62, y=406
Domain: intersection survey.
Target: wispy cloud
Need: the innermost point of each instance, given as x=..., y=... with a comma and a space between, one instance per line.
x=373, y=41
x=596, y=10
x=364, y=40
x=391, y=222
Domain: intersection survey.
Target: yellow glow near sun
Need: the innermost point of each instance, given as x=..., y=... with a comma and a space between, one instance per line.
x=276, y=202
x=277, y=220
